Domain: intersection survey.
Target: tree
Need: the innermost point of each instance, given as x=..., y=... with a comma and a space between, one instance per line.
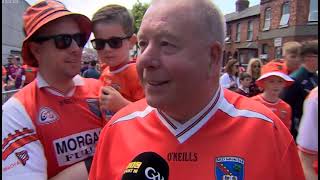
x=138, y=11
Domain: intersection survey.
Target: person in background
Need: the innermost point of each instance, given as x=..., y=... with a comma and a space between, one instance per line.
x=55, y=121
x=20, y=78
x=85, y=66
x=30, y=73
x=230, y=79
x=92, y=72
x=272, y=81
x=4, y=75
x=291, y=57
x=307, y=139
x=305, y=79
x=245, y=80
x=114, y=37
x=16, y=73
x=188, y=126
x=254, y=69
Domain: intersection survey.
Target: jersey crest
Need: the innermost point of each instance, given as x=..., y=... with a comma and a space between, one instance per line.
x=47, y=115
x=229, y=168
x=23, y=156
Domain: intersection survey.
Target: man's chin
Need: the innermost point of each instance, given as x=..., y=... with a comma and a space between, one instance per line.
x=152, y=102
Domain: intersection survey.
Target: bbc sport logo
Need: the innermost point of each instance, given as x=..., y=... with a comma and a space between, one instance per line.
x=10, y=1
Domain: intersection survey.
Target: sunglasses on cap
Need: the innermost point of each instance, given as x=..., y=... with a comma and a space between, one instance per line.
x=63, y=41
x=114, y=42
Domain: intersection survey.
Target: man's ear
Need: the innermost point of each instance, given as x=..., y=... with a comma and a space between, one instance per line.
x=133, y=40
x=216, y=55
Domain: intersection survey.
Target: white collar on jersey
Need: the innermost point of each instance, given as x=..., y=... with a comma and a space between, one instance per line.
x=78, y=81
x=41, y=83
x=186, y=130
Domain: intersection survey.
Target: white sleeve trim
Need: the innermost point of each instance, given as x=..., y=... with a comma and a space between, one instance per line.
x=308, y=129
x=29, y=159
x=27, y=176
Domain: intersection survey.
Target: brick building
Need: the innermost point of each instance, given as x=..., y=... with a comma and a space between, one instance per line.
x=286, y=20
x=242, y=32
x=12, y=34
x=261, y=30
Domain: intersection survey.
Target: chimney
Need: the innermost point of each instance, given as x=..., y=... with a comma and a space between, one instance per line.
x=242, y=5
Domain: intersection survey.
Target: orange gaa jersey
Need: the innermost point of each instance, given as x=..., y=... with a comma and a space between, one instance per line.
x=233, y=137
x=280, y=108
x=125, y=80
x=44, y=132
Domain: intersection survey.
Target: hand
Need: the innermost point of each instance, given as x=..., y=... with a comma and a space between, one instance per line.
x=111, y=99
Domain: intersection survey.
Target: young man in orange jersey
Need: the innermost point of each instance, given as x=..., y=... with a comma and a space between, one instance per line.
x=272, y=80
x=53, y=122
x=113, y=28
x=189, y=124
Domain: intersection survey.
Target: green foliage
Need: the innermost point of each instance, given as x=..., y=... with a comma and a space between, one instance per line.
x=138, y=11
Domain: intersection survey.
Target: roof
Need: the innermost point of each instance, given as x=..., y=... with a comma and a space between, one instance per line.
x=251, y=11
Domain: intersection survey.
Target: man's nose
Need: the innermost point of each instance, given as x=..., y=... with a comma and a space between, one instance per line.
x=150, y=57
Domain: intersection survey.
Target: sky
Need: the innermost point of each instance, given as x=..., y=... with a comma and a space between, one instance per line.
x=89, y=7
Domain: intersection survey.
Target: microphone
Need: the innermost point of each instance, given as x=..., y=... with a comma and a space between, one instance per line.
x=147, y=166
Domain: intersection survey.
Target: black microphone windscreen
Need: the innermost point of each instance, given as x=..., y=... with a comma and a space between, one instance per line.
x=147, y=166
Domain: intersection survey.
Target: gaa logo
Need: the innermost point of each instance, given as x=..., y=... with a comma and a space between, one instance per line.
x=47, y=115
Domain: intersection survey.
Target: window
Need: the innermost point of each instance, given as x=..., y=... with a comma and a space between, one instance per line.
x=238, y=33
x=313, y=11
x=228, y=37
x=242, y=57
x=267, y=19
x=285, y=14
x=278, y=53
x=264, y=49
x=250, y=31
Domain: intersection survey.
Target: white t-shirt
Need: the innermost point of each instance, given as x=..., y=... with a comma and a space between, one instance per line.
x=226, y=80
x=308, y=130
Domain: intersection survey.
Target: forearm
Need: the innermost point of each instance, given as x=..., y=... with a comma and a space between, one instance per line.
x=307, y=161
x=77, y=171
x=124, y=102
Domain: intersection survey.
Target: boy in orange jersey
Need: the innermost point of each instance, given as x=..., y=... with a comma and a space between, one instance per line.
x=114, y=37
x=273, y=80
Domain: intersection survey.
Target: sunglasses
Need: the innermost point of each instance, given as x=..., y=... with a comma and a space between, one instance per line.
x=63, y=41
x=256, y=66
x=114, y=42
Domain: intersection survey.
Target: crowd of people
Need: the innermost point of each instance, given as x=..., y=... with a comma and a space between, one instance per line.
x=169, y=114
x=15, y=75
